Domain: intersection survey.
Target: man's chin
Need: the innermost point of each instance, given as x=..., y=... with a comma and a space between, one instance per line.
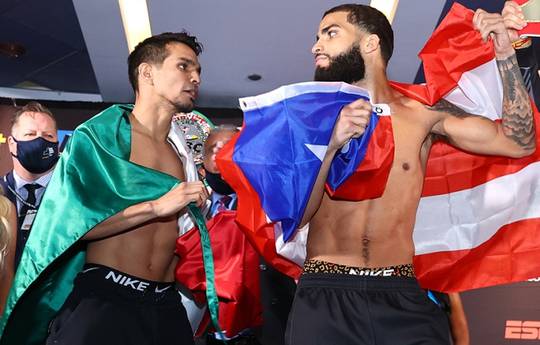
x=321, y=74
x=184, y=107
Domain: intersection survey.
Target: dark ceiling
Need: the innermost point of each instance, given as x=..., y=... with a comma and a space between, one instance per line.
x=56, y=57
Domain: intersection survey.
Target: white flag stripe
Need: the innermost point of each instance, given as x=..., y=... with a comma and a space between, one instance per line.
x=293, y=90
x=295, y=248
x=466, y=219
x=479, y=91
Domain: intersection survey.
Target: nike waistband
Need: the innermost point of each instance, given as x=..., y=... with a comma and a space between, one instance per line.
x=318, y=266
x=124, y=281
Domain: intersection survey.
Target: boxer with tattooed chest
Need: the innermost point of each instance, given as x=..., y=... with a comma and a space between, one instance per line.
x=358, y=284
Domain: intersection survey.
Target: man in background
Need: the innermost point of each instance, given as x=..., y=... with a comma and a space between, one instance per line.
x=277, y=290
x=33, y=145
x=223, y=196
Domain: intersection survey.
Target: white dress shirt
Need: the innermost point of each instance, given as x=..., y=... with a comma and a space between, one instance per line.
x=43, y=181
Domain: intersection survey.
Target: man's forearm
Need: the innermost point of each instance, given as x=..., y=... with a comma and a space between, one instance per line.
x=127, y=219
x=517, y=118
x=318, y=189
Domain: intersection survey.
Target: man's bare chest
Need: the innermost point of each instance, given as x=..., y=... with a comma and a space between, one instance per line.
x=157, y=156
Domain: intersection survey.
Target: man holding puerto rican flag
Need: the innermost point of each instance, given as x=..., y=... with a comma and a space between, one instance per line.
x=360, y=184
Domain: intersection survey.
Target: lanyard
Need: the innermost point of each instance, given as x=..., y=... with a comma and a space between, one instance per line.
x=19, y=197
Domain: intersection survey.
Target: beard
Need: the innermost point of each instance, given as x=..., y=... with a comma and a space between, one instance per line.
x=347, y=67
x=184, y=107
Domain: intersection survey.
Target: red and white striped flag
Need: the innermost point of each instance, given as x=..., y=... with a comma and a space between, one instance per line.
x=477, y=221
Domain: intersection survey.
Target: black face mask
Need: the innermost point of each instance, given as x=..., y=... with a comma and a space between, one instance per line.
x=37, y=155
x=218, y=184
x=348, y=67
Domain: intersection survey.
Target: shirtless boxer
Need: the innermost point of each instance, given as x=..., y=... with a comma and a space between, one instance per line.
x=334, y=302
x=125, y=293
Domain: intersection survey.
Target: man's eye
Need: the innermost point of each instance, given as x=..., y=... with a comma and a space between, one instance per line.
x=332, y=33
x=182, y=66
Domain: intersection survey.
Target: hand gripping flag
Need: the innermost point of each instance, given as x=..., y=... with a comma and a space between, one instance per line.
x=476, y=222
x=92, y=181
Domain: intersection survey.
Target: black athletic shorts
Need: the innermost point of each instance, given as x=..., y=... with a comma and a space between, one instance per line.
x=110, y=307
x=347, y=309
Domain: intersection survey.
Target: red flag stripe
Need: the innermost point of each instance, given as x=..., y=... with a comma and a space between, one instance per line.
x=510, y=256
x=250, y=214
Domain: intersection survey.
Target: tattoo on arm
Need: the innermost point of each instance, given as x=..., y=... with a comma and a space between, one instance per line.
x=446, y=107
x=517, y=119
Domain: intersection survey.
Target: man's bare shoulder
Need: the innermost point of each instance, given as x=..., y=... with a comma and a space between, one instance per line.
x=414, y=111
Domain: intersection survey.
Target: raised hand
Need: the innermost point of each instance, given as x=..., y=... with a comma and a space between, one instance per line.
x=352, y=123
x=179, y=197
x=514, y=19
x=492, y=25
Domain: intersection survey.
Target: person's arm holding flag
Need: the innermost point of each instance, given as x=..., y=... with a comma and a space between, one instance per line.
x=167, y=205
x=351, y=123
x=514, y=135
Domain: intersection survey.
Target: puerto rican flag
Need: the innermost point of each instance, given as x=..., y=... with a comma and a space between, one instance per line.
x=274, y=161
x=478, y=220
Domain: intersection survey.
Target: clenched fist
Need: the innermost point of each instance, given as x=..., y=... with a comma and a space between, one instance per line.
x=492, y=25
x=352, y=123
x=179, y=197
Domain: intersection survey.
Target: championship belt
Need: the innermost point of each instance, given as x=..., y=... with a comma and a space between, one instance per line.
x=195, y=128
x=531, y=11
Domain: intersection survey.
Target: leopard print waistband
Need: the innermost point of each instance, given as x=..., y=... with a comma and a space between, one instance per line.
x=318, y=266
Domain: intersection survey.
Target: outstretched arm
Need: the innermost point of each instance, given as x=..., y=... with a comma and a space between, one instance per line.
x=170, y=204
x=514, y=136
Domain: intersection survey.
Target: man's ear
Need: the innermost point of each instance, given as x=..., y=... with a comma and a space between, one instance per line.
x=12, y=145
x=146, y=73
x=371, y=43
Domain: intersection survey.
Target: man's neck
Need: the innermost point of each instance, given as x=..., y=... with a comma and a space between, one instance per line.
x=152, y=119
x=25, y=174
x=377, y=84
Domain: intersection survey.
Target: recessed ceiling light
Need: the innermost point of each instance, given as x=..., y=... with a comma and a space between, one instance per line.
x=135, y=20
x=12, y=50
x=254, y=77
x=387, y=7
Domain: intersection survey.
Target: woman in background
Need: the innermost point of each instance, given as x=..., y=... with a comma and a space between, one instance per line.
x=8, y=238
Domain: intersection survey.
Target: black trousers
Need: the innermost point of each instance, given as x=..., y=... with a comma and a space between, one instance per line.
x=110, y=307
x=341, y=309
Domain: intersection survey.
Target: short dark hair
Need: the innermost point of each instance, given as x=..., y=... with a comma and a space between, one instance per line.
x=371, y=20
x=30, y=107
x=154, y=50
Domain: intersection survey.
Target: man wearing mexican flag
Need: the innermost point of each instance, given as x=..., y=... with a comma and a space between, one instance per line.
x=99, y=264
